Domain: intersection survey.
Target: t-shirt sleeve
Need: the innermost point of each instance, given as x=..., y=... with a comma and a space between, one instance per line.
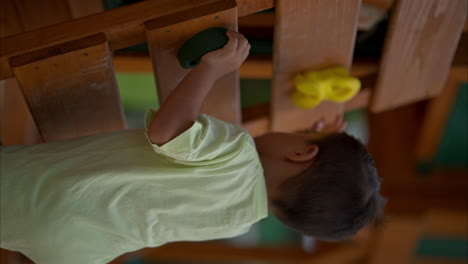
x=207, y=140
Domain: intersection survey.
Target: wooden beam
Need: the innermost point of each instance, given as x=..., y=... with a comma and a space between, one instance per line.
x=247, y=7
x=420, y=45
x=437, y=115
x=397, y=240
x=216, y=252
x=297, y=49
x=73, y=93
x=10, y=21
x=164, y=40
x=252, y=68
x=446, y=223
x=40, y=13
x=81, y=8
x=382, y=4
x=17, y=125
x=123, y=26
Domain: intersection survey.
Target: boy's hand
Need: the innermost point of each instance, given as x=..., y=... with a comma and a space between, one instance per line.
x=230, y=57
x=337, y=126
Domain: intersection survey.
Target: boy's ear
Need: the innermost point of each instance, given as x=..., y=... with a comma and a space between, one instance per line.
x=307, y=154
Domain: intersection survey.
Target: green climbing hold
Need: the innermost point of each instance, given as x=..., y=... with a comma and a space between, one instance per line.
x=192, y=51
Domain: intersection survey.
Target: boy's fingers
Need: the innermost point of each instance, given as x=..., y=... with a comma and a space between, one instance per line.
x=245, y=52
x=242, y=44
x=232, y=43
x=319, y=126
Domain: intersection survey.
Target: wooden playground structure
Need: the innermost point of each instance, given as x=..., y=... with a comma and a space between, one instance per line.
x=58, y=74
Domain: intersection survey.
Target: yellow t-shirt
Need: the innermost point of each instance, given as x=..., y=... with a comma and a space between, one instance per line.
x=91, y=199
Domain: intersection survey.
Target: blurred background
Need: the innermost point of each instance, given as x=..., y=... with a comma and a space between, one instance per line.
x=420, y=149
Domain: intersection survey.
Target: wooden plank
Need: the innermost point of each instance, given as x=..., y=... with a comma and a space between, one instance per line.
x=17, y=126
x=297, y=49
x=164, y=41
x=382, y=4
x=420, y=45
x=257, y=127
x=81, y=8
x=446, y=223
x=123, y=27
x=135, y=64
x=73, y=93
x=247, y=7
x=10, y=21
x=260, y=20
x=40, y=13
x=361, y=100
x=397, y=240
x=216, y=252
x=437, y=114
x=256, y=69
x=252, y=68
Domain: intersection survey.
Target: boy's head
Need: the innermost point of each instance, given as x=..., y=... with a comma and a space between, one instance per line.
x=324, y=186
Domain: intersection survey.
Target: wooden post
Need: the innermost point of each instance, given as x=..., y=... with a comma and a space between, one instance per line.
x=421, y=42
x=167, y=34
x=309, y=35
x=437, y=115
x=71, y=88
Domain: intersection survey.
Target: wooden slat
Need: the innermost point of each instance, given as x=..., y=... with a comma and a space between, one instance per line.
x=247, y=7
x=123, y=27
x=260, y=20
x=72, y=93
x=397, y=241
x=81, y=8
x=437, y=114
x=135, y=64
x=382, y=4
x=40, y=13
x=328, y=40
x=216, y=252
x=10, y=21
x=420, y=45
x=446, y=223
x=164, y=40
x=252, y=68
x=17, y=126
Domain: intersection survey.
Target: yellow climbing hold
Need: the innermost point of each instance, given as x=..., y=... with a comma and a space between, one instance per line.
x=342, y=89
x=305, y=101
x=334, y=84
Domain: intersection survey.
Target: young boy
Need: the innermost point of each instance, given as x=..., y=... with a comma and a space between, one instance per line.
x=192, y=177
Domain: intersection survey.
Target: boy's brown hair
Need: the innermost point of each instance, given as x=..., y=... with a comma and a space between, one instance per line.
x=337, y=195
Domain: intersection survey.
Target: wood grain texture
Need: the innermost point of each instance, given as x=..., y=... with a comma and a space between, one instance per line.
x=419, y=49
x=123, y=27
x=72, y=94
x=223, y=101
x=17, y=126
x=40, y=13
x=327, y=41
x=57, y=50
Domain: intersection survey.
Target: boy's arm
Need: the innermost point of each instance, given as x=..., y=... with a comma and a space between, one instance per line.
x=182, y=106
